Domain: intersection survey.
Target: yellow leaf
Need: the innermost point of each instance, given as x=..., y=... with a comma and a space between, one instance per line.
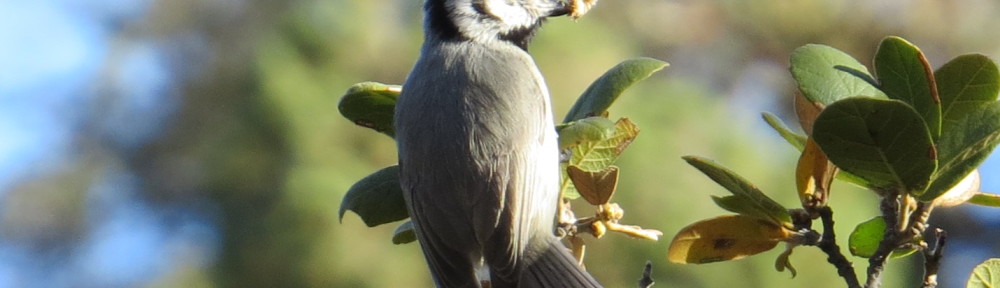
x=596, y=187
x=725, y=238
x=814, y=175
x=807, y=111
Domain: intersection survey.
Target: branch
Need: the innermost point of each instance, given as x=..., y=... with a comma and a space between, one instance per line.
x=828, y=243
x=890, y=214
x=647, y=276
x=932, y=259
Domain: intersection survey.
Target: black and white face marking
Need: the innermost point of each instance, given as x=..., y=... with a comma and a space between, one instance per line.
x=514, y=21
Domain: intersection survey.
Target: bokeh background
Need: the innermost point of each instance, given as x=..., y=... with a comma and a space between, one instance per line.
x=182, y=143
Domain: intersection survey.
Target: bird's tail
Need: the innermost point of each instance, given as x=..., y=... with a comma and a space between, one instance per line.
x=555, y=268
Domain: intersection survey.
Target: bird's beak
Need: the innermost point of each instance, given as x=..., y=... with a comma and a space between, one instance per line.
x=573, y=8
x=559, y=8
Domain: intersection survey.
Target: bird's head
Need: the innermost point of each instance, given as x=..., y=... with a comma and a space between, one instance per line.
x=514, y=21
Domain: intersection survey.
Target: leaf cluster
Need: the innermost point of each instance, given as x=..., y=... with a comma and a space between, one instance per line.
x=911, y=134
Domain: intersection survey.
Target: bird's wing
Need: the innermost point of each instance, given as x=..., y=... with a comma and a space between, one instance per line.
x=515, y=144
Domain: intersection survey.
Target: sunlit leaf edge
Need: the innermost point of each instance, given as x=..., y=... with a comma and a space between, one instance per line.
x=371, y=105
x=606, y=89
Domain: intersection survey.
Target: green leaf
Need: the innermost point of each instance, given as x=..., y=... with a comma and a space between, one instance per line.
x=985, y=275
x=964, y=146
x=904, y=74
x=598, y=155
x=968, y=86
x=756, y=204
x=865, y=238
x=377, y=198
x=404, y=234
x=965, y=83
x=797, y=140
x=820, y=71
x=606, y=89
x=882, y=141
x=586, y=129
x=985, y=199
x=740, y=205
x=371, y=105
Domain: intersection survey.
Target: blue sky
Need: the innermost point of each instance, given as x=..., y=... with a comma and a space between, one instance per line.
x=65, y=67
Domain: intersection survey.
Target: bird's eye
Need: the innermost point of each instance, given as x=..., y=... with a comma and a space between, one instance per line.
x=509, y=12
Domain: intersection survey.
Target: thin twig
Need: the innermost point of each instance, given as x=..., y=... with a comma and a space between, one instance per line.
x=647, y=276
x=932, y=259
x=890, y=214
x=828, y=243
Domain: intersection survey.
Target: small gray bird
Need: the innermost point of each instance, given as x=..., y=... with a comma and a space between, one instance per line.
x=478, y=154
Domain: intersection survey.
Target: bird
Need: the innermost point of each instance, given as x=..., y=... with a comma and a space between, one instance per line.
x=477, y=148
